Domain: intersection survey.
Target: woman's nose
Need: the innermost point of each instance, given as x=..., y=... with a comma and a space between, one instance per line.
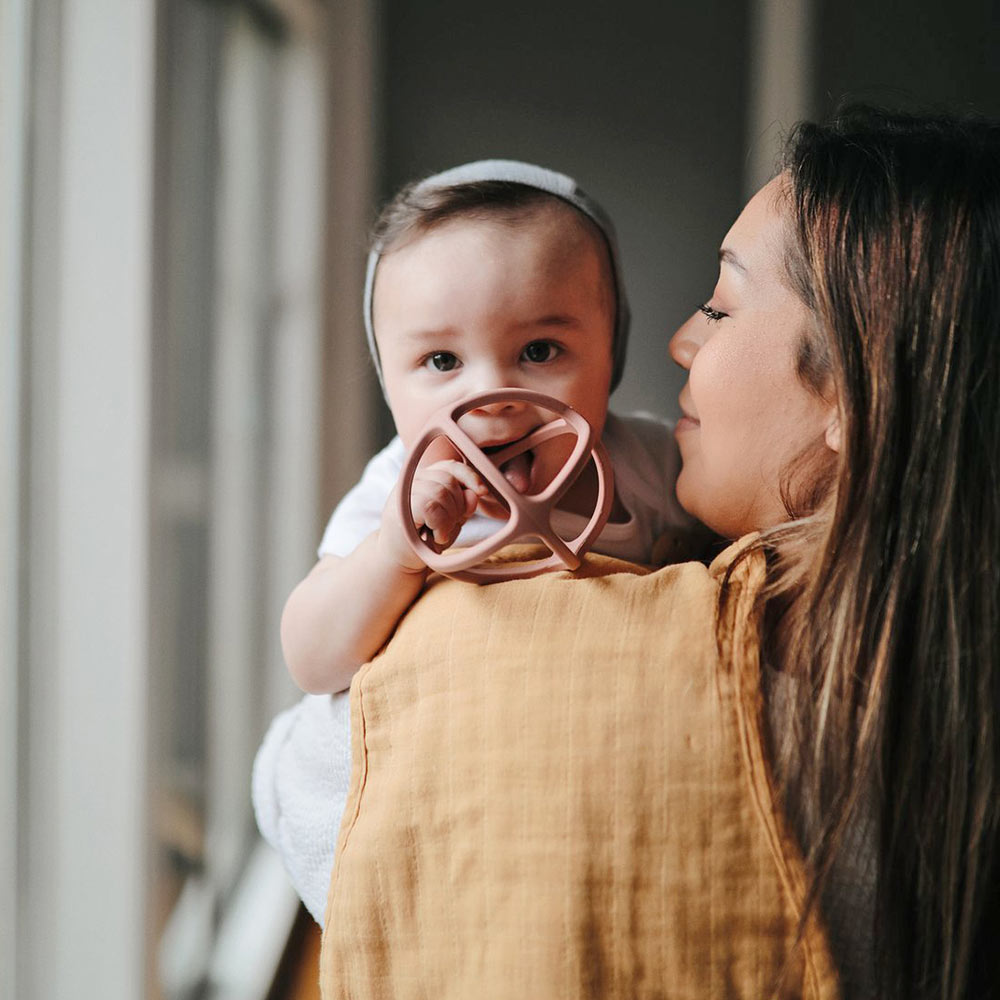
x=687, y=341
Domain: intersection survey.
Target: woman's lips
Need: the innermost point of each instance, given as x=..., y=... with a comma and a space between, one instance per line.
x=686, y=423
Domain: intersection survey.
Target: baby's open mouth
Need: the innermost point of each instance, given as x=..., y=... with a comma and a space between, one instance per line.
x=516, y=470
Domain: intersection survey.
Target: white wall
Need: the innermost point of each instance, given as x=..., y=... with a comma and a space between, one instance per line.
x=86, y=278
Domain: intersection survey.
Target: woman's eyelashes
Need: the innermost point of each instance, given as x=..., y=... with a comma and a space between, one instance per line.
x=713, y=315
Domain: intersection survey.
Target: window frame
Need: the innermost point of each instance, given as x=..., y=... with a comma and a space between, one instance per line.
x=83, y=124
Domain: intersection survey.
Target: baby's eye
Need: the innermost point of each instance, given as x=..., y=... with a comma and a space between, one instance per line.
x=714, y=315
x=540, y=351
x=441, y=361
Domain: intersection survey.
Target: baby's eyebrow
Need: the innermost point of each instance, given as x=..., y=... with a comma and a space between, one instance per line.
x=423, y=336
x=553, y=319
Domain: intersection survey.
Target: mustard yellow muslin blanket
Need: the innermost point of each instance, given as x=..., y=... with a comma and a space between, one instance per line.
x=560, y=790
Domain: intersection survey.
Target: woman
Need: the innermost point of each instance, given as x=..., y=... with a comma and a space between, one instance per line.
x=842, y=420
x=844, y=397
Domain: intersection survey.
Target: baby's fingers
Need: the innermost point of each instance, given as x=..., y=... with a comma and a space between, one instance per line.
x=440, y=506
x=443, y=518
x=465, y=474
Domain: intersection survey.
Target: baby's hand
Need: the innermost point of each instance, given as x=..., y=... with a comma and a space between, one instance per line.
x=443, y=497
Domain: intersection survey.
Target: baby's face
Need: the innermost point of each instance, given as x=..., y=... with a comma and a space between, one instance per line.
x=475, y=305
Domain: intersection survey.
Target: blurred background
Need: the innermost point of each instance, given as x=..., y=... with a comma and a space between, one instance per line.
x=186, y=191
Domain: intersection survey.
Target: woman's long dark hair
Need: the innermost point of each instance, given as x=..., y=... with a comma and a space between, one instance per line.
x=895, y=606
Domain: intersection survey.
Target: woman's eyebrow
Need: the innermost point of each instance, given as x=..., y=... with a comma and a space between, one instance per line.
x=726, y=256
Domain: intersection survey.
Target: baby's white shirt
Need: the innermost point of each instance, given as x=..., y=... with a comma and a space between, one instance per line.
x=302, y=770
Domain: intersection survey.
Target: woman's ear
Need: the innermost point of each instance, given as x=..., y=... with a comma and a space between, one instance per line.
x=832, y=433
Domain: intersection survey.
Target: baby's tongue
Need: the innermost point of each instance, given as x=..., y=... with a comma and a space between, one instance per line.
x=517, y=471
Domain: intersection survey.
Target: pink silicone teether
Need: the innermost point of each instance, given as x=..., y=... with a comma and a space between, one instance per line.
x=530, y=514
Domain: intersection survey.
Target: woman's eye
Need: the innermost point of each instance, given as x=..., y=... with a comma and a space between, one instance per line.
x=441, y=361
x=539, y=351
x=713, y=315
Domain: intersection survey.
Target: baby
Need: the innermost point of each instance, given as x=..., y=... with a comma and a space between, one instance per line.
x=494, y=274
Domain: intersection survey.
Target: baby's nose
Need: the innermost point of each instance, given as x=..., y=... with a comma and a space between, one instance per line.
x=491, y=376
x=499, y=407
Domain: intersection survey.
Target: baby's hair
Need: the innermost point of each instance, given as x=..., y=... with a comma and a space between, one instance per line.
x=418, y=208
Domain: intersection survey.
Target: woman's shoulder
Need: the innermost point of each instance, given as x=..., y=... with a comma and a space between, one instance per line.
x=561, y=730
x=743, y=558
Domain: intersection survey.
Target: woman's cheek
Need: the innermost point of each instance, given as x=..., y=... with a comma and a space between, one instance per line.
x=711, y=368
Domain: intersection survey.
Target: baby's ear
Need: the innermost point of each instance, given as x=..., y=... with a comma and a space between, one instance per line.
x=832, y=433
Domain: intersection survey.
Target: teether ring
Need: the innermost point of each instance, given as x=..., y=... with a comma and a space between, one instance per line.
x=530, y=514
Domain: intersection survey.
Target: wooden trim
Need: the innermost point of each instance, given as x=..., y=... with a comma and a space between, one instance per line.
x=349, y=388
